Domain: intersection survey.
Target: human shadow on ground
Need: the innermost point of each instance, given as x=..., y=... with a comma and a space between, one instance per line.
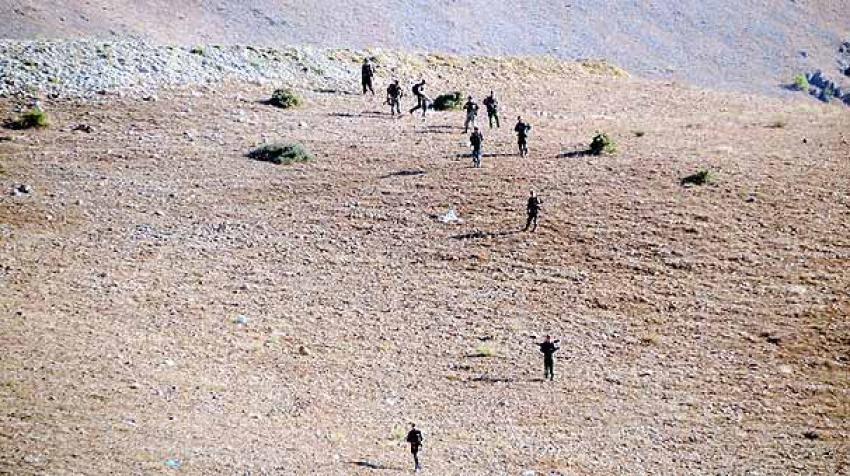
x=371, y=114
x=575, y=154
x=436, y=129
x=371, y=465
x=490, y=155
x=404, y=173
x=479, y=234
x=335, y=91
x=489, y=379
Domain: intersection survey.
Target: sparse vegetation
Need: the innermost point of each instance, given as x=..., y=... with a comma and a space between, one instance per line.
x=601, y=143
x=649, y=339
x=281, y=154
x=702, y=177
x=800, y=83
x=448, y=102
x=34, y=118
x=484, y=350
x=284, y=99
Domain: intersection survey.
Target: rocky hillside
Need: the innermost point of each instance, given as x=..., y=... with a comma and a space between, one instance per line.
x=747, y=45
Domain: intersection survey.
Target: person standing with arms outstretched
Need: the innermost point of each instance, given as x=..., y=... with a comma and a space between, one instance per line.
x=367, y=72
x=414, y=437
x=548, y=349
x=492, y=105
x=522, y=130
x=532, y=210
x=476, y=139
x=421, y=99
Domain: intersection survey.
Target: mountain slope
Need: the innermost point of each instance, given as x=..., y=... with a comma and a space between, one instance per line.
x=748, y=45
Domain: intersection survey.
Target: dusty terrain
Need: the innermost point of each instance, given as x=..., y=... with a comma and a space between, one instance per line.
x=704, y=329
x=744, y=45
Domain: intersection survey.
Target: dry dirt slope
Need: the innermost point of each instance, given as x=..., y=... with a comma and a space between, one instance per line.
x=704, y=332
x=751, y=45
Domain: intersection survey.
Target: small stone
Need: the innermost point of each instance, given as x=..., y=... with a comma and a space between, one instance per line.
x=811, y=435
x=303, y=350
x=243, y=320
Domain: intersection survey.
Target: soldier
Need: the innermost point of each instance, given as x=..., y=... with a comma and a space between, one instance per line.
x=522, y=130
x=421, y=99
x=367, y=71
x=532, y=210
x=414, y=437
x=475, y=140
x=471, y=109
x=548, y=349
x=492, y=105
x=394, y=95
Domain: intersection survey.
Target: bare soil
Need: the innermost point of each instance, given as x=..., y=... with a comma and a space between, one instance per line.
x=704, y=330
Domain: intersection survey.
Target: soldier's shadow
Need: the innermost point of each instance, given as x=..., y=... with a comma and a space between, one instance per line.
x=574, y=154
x=371, y=465
x=479, y=234
x=436, y=129
x=492, y=154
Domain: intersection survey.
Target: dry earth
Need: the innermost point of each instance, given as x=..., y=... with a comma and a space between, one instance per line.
x=704, y=329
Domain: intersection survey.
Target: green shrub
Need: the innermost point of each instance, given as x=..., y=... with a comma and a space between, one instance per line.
x=34, y=118
x=284, y=99
x=602, y=143
x=801, y=83
x=449, y=101
x=702, y=177
x=281, y=153
x=484, y=350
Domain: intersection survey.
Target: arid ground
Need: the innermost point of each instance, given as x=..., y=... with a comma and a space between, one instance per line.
x=704, y=329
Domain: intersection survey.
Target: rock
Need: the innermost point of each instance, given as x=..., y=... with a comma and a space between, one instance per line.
x=242, y=320
x=771, y=338
x=83, y=128
x=811, y=435
x=303, y=350
x=23, y=189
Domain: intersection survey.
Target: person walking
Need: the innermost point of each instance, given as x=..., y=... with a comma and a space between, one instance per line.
x=522, y=130
x=394, y=95
x=367, y=72
x=414, y=437
x=421, y=99
x=532, y=209
x=475, y=140
x=492, y=105
x=548, y=349
x=471, y=109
